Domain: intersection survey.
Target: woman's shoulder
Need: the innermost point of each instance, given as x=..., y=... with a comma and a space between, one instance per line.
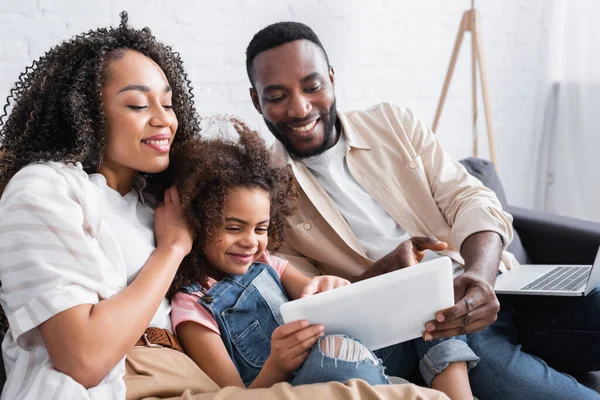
x=43, y=171
x=47, y=167
x=43, y=182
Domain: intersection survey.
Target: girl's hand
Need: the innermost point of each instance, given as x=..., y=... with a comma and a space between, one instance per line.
x=323, y=283
x=170, y=226
x=290, y=345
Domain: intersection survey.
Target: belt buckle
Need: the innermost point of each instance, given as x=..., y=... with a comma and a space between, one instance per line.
x=148, y=344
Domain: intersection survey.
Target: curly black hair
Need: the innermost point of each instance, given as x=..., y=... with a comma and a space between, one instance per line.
x=204, y=169
x=57, y=112
x=275, y=35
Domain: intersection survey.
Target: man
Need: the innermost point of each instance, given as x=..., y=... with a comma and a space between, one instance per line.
x=372, y=179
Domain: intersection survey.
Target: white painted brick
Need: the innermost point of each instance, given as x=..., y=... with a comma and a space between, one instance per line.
x=14, y=50
x=213, y=13
x=10, y=73
x=39, y=34
x=202, y=55
x=157, y=14
x=224, y=74
x=21, y=7
x=212, y=93
x=76, y=9
x=394, y=50
x=240, y=93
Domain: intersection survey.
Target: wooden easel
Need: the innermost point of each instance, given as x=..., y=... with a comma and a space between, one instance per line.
x=471, y=23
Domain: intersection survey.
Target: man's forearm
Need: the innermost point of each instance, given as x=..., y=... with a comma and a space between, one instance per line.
x=481, y=252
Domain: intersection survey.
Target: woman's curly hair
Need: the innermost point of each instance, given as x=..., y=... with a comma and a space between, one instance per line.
x=205, y=169
x=57, y=112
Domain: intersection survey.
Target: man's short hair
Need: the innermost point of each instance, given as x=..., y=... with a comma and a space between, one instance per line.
x=276, y=35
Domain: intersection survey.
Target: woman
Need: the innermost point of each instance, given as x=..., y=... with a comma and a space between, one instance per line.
x=85, y=261
x=88, y=117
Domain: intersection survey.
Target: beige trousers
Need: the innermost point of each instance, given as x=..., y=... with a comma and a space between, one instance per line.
x=160, y=373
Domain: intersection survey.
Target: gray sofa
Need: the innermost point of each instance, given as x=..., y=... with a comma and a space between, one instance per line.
x=540, y=239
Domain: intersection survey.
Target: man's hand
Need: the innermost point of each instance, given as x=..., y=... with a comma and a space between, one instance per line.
x=476, y=307
x=408, y=253
x=320, y=284
x=476, y=304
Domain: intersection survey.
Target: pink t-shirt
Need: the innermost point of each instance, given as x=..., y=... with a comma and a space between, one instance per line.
x=185, y=306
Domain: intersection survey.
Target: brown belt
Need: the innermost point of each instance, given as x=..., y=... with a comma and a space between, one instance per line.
x=157, y=337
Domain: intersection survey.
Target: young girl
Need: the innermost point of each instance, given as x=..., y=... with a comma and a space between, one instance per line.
x=227, y=292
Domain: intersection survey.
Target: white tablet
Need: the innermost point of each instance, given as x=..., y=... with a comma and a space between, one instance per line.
x=383, y=310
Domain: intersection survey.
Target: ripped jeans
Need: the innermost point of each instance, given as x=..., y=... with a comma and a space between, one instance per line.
x=337, y=358
x=330, y=363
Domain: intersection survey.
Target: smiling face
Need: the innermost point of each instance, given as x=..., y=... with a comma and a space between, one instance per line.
x=293, y=90
x=140, y=122
x=243, y=237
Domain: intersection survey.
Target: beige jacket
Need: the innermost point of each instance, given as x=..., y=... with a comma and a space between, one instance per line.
x=398, y=160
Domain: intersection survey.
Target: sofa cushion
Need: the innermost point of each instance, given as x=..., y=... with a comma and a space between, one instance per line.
x=486, y=173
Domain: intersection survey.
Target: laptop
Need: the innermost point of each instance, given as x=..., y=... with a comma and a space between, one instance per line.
x=550, y=280
x=380, y=311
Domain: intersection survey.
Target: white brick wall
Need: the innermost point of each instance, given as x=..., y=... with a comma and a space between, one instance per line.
x=382, y=50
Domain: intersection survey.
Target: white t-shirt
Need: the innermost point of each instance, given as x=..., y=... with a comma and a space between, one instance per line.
x=63, y=244
x=132, y=224
x=374, y=228
x=378, y=233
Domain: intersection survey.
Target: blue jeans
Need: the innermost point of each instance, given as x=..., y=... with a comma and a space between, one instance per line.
x=537, y=341
x=319, y=367
x=397, y=360
x=432, y=357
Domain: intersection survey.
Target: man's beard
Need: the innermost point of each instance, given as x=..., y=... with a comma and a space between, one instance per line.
x=328, y=118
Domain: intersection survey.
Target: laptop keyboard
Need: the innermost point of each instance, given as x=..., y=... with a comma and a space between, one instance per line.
x=561, y=279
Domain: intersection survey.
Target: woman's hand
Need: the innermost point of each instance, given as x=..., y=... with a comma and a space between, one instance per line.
x=170, y=226
x=323, y=283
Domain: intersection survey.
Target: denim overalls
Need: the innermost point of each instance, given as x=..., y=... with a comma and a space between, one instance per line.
x=246, y=309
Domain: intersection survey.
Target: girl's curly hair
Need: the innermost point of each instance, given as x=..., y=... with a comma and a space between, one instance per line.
x=57, y=112
x=203, y=171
